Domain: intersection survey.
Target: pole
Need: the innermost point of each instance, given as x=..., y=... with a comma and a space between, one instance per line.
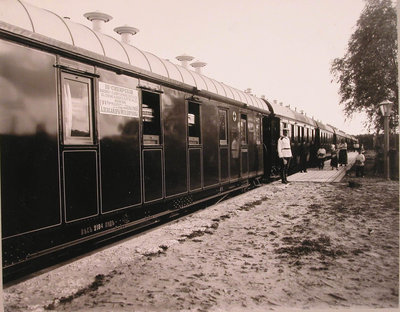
x=1, y=253
x=386, y=148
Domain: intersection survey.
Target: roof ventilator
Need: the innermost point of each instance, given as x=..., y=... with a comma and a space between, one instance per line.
x=198, y=65
x=98, y=19
x=185, y=59
x=126, y=32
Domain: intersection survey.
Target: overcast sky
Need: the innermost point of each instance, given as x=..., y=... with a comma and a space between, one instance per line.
x=282, y=49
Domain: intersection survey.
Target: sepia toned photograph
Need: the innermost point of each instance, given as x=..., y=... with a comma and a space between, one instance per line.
x=199, y=156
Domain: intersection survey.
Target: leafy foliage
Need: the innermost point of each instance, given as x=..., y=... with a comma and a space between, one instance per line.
x=368, y=72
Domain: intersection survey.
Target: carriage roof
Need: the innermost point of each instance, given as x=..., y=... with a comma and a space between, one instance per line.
x=61, y=30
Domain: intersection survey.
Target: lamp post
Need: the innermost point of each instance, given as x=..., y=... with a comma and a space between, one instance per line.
x=386, y=108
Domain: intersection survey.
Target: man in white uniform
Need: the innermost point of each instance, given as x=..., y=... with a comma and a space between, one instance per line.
x=284, y=153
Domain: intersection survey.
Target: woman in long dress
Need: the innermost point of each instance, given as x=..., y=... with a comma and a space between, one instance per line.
x=343, y=153
x=334, y=158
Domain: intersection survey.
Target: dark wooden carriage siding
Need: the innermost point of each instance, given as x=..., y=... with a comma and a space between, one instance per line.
x=54, y=195
x=30, y=189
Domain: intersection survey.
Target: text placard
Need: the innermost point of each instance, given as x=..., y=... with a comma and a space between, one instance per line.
x=116, y=100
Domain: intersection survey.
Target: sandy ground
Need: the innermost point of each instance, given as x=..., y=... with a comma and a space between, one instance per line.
x=300, y=246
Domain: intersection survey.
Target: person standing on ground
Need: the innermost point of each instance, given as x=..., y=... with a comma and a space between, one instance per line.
x=334, y=157
x=284, y=153
x=343, y=153
x=303, y=156
x=356, y=146
x=321, y=154
x=360, y=161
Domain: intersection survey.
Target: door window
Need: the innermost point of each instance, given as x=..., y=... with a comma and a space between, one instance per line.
x=243, y=129
x=223, y=130
x=151, y=116
x=77, y=110
x=258, y=130
x=194, y=123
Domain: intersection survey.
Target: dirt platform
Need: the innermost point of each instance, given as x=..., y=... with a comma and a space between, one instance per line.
x=299, y=246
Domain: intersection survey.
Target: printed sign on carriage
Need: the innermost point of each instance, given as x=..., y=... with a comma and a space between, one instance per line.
x=117, y=100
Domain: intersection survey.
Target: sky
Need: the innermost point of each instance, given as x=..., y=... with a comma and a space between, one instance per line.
x=282, y=49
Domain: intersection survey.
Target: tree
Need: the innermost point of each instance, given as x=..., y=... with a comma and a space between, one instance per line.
x=367, y=74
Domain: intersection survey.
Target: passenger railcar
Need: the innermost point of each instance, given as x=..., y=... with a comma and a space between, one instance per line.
x=302, y=130
x=98, y=137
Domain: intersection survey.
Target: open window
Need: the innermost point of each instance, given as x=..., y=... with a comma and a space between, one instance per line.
x=243, y=129
x=194, y=123
x=77, y=110
x=283, y=126
x=257, y=132
x=223, y=129
x=151, y=117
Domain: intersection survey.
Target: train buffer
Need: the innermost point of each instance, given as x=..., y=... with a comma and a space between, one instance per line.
x=325, y=175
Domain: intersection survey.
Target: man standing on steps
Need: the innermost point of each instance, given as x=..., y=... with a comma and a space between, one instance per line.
x=284, y=153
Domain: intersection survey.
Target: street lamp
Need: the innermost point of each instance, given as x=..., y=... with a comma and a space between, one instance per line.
x=386, y=108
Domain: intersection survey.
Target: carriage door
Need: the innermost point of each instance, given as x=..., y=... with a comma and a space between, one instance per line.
x=78, y=148
x=195, y=146
x=153, y=182
x=259, y=164
x=244, y=147
x=223, y=146
x=234, y=142
x=270, y=136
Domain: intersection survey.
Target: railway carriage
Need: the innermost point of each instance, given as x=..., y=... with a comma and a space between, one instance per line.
x=325, y=136
x=98, y=137
x=340, y=136
x=281, y=117
x=301, y=129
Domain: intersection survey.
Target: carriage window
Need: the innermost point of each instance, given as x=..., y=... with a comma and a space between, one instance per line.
x=258, y=131
x=151, y=118
x=292, y=134
x=243, y=129
x=223, y=129
x=298, y=133
x=283, y=126
x=194, y=123
x=77, y=109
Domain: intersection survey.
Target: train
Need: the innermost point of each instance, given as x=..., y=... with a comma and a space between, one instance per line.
x=98, y=137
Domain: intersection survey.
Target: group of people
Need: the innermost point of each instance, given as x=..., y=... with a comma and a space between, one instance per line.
x=338, y=156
